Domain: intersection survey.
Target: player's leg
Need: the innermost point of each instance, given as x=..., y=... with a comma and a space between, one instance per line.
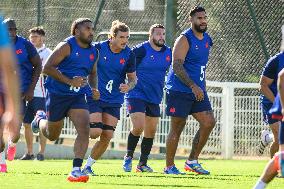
x=268, y=174
x=136, y=109
x=275, y=143
x=3, y=165
x=109, y=124
x=152, y=119
x=39, y=104
x=29, y=142
x=203, y=113
x=14, y=134
x=42, y=145
x=109, y=119
x=28, y=117
x=266, y=137
x=79, y=115
x=178, y=108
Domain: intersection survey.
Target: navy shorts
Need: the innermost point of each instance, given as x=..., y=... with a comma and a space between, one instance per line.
x=98, y=106
x=37, y=103
x=138, y=105
x=267, y=117
x=180, y=104
x=57, y=106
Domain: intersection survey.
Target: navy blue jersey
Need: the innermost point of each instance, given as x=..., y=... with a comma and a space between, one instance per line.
x=112, y=69
x=79, y=63
x=195, y=63
x=151, y=67
x=24, y=51
x=273, y=66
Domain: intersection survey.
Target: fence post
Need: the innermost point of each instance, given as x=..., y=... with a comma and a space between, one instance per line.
x=171, y=20
x=38, y=23
x=228, y=102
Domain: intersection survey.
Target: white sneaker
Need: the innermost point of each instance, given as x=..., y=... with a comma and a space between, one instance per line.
x=263, y=142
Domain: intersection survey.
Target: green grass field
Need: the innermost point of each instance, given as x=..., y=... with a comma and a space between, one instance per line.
x=52, y=174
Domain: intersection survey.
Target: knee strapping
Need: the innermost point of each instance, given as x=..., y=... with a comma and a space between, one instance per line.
x=99, y=125
x=108, y=127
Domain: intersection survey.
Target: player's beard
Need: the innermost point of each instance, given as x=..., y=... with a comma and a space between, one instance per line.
x=198, y=28
x=88, y=40
x=158, y=43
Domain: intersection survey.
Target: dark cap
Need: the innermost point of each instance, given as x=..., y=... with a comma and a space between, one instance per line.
x=10, y=23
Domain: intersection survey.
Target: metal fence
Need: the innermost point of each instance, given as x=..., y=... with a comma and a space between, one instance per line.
x=245, y=34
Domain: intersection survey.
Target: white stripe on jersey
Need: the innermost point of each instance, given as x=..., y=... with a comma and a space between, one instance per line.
x=39, y=89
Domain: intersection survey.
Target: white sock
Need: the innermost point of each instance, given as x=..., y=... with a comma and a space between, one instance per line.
x=76, y=169
x=90, y=162
x=2, y=158
x=191, y=161
x=10, y=143
x=260, y=185
x=270, y=138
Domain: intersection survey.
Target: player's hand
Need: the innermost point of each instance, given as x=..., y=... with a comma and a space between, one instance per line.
x=96, y=94
x=198, y=93
x=28, y=95
x=78, y=81
x=124, y=88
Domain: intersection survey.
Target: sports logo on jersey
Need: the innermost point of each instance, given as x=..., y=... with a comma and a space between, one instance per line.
x=129, y=107
x=77, y=54
x=172, y=110
x=152, y=57
x=168, y=58
x=207, y=45
x=122, y=61
x=19, y=51
x=196, y=47
x=92, y=57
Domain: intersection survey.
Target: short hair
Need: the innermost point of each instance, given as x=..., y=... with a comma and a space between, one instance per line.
x=77, y=23
x=38, y=29
x=151, y=30
x=282, y=42
x=10, y=23
x=117, y=26
x=196, y=9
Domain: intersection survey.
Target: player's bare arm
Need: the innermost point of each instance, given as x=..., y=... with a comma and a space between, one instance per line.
x=93, y=81
x=60, y=52
x=37, y=67
x=132, y=80
x=264, y=83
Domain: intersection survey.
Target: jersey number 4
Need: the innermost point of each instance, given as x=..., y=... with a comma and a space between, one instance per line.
x=109, y=86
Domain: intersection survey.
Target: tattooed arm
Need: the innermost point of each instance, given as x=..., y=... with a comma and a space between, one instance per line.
x=181, y=47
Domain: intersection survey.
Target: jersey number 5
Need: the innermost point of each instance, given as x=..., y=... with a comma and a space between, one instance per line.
x=109, y=86
x=202, y=72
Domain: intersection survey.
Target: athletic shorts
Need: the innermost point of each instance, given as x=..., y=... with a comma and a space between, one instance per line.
x=37, y=103
x=267, y=117
x=180, y=104
x=57, y=106
x=98, y=106
x=138, y=105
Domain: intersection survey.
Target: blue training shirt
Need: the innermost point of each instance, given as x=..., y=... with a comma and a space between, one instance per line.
x=273, y=66
x=24, y=51
x=112, y=69
x=80, y=62
x=151, y=68
x=4, y=37
x=195, y=63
